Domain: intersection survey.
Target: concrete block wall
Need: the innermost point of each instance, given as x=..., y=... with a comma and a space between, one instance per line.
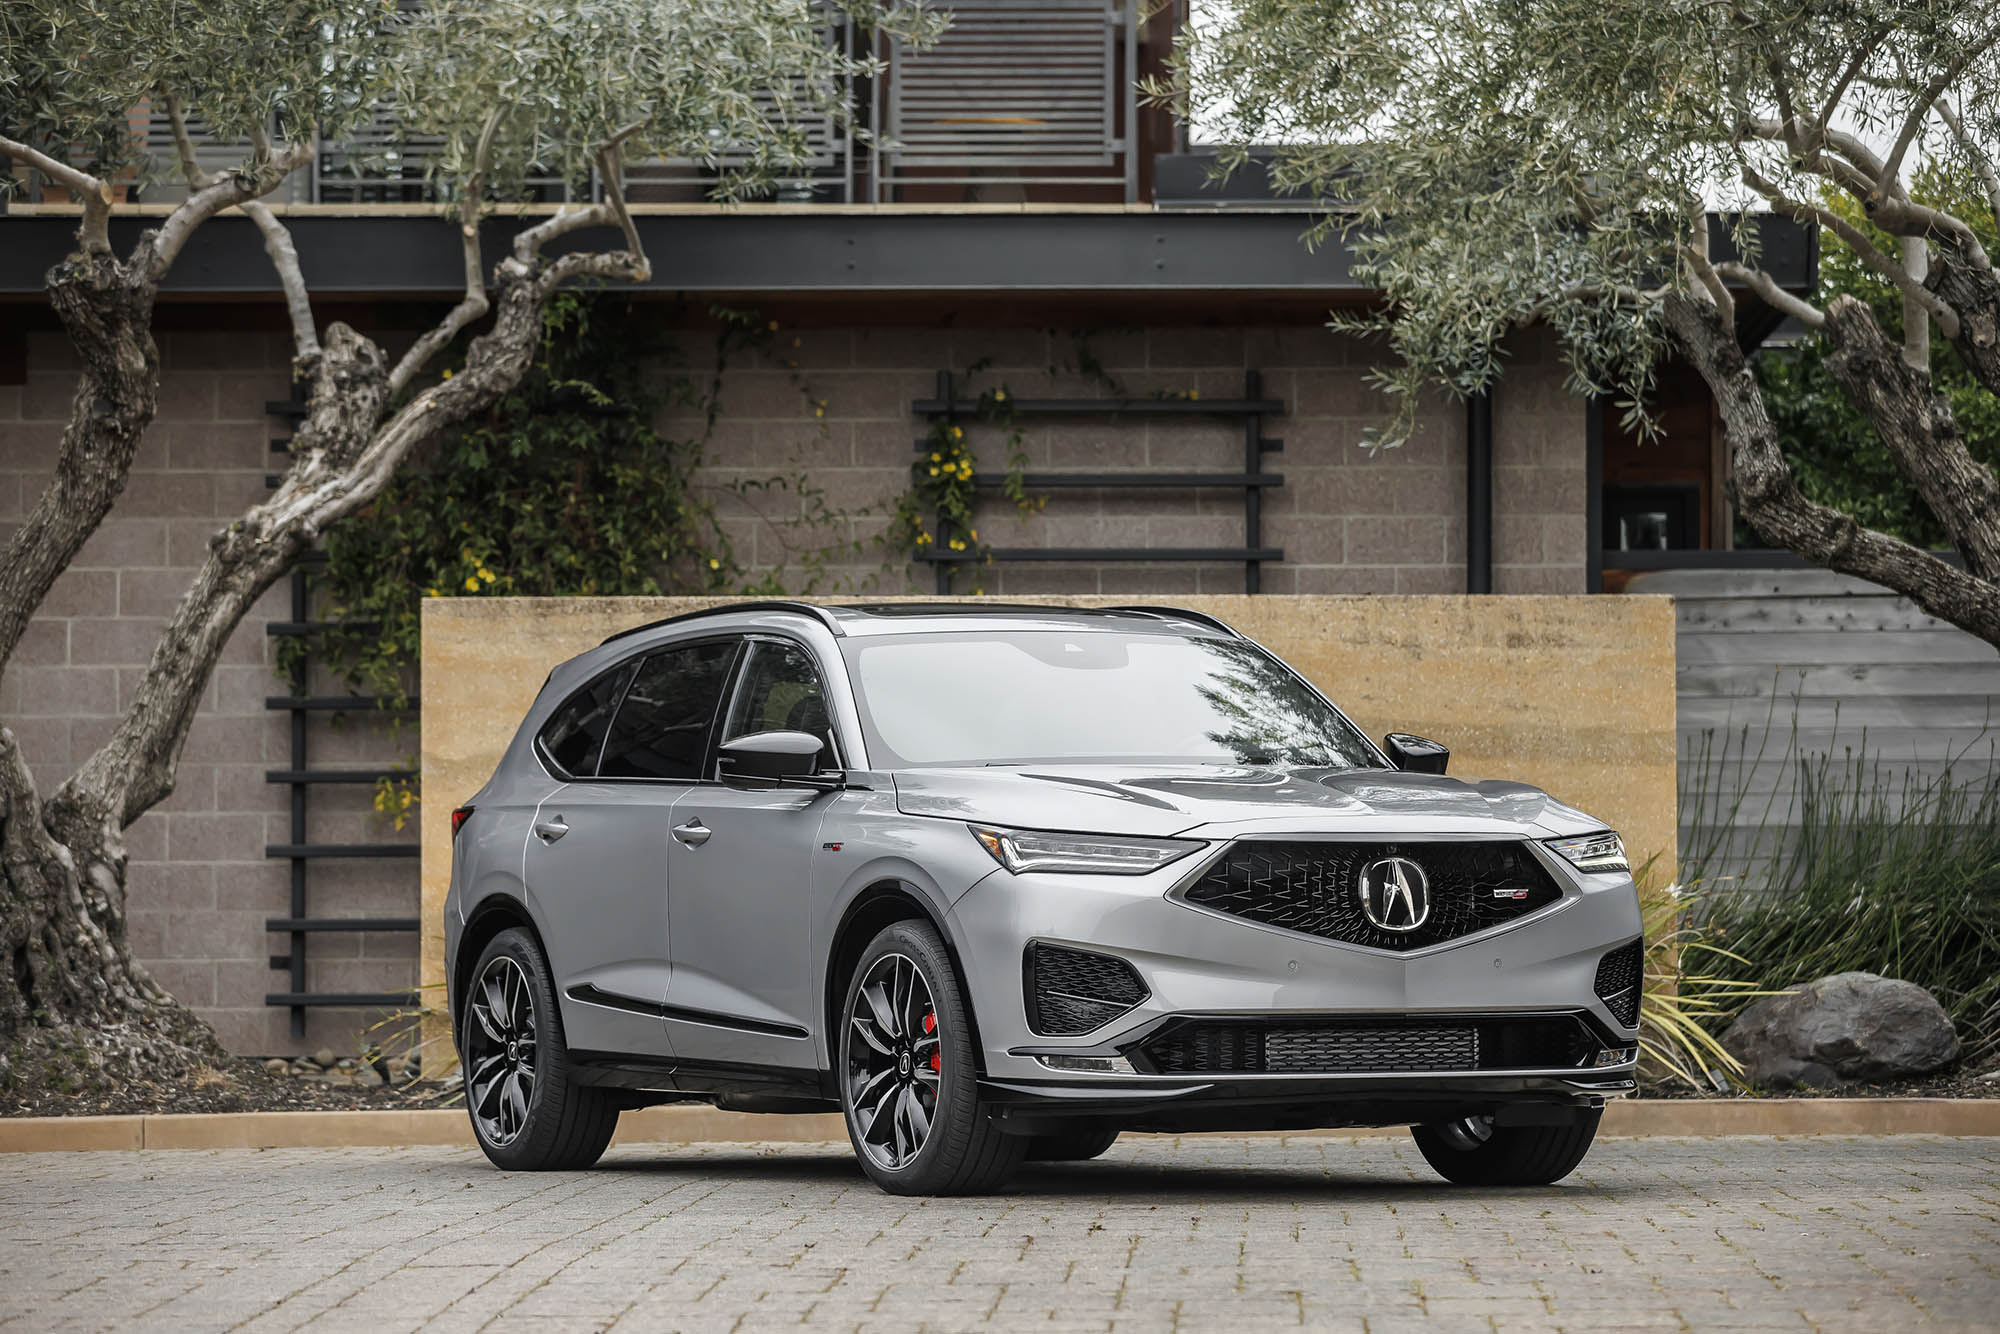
x=829, y=404
x=834, y=405
x=200, y=885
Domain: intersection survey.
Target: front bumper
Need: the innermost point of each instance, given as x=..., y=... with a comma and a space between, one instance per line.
x=1198, y=963
x=1300, y=1103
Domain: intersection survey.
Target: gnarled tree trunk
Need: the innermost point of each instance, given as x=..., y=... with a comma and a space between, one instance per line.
x=76, y=1010
x=1768, y=495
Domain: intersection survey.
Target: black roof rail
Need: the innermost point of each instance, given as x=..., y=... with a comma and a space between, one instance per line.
x=1182, y=613
x=819, y=613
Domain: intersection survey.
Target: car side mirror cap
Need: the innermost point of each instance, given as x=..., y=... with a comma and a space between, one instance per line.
x=1415, y=754
x=770, y=759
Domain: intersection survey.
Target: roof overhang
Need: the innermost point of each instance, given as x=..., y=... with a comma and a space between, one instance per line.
x=885, y=252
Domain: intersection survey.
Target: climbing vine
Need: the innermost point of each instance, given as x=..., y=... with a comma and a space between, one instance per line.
x=940, y=506
x=567, y=486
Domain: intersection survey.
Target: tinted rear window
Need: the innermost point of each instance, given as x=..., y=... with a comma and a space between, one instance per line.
x=575, y=735
x=662, y=727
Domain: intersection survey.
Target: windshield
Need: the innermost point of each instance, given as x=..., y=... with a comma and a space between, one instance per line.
x=1036, y=696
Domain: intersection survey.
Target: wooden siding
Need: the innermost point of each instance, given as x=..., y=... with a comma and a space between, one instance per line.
x=1781, y=666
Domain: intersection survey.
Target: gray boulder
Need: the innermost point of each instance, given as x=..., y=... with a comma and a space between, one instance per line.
x=1843, y=1029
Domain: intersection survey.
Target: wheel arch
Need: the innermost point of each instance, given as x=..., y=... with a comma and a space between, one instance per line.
x=878, y=906
x=492, y=915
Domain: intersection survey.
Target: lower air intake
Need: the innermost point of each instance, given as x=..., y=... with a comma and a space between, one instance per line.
x=1074, y=991
x=1619, y=975
x=1353, y=1046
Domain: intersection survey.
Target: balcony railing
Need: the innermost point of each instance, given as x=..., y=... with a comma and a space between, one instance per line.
x=1022, y=100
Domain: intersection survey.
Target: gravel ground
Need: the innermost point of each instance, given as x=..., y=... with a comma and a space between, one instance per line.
x=243, y=1087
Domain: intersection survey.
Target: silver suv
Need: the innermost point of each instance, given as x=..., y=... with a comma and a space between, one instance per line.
x=1000, y=882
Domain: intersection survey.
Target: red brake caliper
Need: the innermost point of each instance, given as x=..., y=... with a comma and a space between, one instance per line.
x=930, y=1026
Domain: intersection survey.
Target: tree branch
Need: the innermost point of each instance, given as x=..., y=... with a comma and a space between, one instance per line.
x=1914, y=122
x=1862, y=54
x=529, y=243
x=1946, y=317
x=1768, y=495
x=230, y=189
x=1774, y=296
x=1982, y=165
x=94, y=194
x=1917, y=425
x=473, y=305
x=285, y=259
x=1695, y=251
x=184, y=144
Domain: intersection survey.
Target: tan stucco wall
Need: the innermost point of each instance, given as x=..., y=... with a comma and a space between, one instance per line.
x=1572, y=693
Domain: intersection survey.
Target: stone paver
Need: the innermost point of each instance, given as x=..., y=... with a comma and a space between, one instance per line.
x=1192, y=1233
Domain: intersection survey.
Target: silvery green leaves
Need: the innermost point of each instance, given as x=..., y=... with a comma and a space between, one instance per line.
x=748, y=89
x=1494, y=164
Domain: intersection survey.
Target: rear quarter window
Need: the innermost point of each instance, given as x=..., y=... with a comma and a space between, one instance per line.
x=573, y=739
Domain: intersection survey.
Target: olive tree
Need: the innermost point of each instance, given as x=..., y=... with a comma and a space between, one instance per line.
x=501, y=87
x=1504, y=162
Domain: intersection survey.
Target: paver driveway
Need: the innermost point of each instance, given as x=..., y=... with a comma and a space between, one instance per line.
x=1194, y=1233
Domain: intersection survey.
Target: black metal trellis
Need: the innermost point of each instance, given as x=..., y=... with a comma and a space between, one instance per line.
x=1252, y=481
x=299, y=777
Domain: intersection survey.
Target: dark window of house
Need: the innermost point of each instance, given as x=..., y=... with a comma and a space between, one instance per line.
x=662, y=727
x=781, y=692
x=575, y=735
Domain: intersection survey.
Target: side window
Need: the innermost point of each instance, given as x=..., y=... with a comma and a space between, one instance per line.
x=781, y=691
x=575, y=735
x=662, y=727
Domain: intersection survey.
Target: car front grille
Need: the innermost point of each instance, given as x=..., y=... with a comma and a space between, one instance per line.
x=1074, y=991
x=1357, y=1045
x=1314, y=887
x=1618, y=979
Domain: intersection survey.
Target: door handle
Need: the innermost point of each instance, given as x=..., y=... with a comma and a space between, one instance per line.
x=550, y=830
x=694, y=833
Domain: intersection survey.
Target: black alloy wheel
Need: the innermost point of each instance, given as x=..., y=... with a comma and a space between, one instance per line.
x=909, y=1072
x=527, y=1111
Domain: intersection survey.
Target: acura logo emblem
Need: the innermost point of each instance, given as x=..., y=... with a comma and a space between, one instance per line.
x=1395, y=894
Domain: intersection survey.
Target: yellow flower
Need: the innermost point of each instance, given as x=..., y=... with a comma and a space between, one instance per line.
x=999, y=395
x=934, y=456
x=485, y=575
x=447, y=372
x=957, y=545
x=430, y=592
x=1194, y=395
x=923, y=539
x=714, y=564
x=471, y=584
x=958, y=433
x=820, y=411
x=774, y=326
x=974, y=534
x=934, y=472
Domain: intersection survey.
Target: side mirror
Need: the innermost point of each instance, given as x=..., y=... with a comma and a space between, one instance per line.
x=770, y=759
x=1415, y=755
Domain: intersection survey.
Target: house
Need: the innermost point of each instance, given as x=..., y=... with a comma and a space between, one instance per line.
x=1020, y=222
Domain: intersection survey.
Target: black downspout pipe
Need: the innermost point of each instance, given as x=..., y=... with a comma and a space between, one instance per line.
x=1479, y=493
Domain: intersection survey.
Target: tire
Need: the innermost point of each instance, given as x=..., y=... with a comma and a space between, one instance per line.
x=1475, y=1152
x=1070, y=1146
x=909, y=1073
x=509, y=1029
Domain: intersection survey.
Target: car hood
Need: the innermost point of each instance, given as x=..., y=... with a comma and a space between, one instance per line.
x=1220, y=802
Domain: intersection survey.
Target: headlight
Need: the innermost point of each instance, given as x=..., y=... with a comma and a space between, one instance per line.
x=1100, y=854
x=1602, y=851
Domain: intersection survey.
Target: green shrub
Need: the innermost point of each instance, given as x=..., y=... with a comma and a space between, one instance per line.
x=1871, y=868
